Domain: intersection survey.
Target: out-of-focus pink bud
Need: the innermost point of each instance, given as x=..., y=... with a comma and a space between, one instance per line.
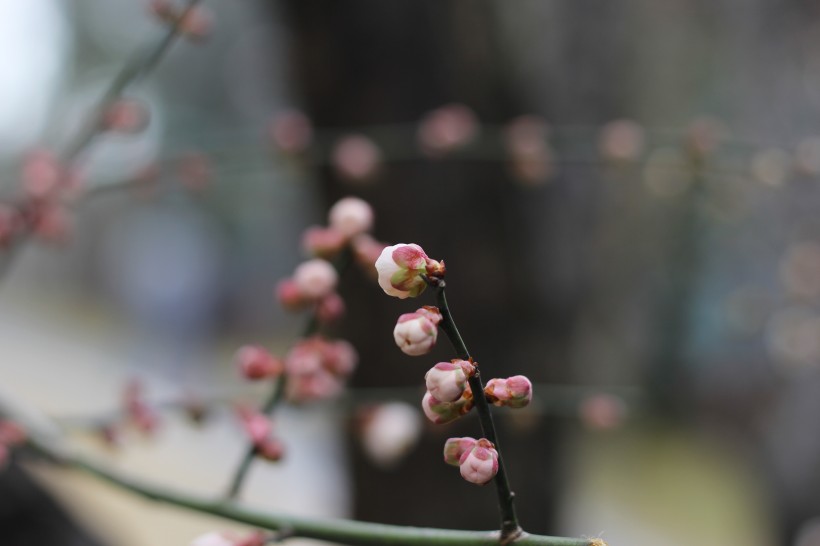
x=194, y=171
x=139, y=412
x=125, y=116
x=367, y=250
x=480, y=464
x=41, y=173
x=446, y=129
x=621, y=140
x=289, y=295
x=323, y=242
x=11, y=434
x=330, y=308
x=454, y=448
x=291, y=131
x=602, y=411
x=257, y=426
x=356, y=158
x=390, y=431
x=257, y=538
x=315, y=278
x=340, y=357
x=270, y=449
x=52, y=223
x=305, y=357
x=319, y=385
x=198, y=24
x=400, y=268
x=255, y=362
x=531, y=158
x=443, y=412
x=446, y=381
x=415, y=334
x=351, y=216
x=704, y=135
x=513, y=392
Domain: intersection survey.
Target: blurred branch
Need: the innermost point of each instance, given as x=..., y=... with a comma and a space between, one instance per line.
x=44, y=438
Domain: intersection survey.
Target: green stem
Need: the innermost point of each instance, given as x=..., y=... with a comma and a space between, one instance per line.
x=506, y=505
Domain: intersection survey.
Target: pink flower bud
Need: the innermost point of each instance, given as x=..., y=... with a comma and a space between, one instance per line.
x=513, y=392
x=415, y=334
x=390, y=431
x=443, y=412
x=621, y=140
x=602, y=411
x=480, y=464
x=356, y=158
x=214, y=539
x=454, y=448
x=446, y=129
x=323, y=242
x=125, y=116
x=139, y=412
x=315, y=278
x=11, y=434
x=531, y=158
x=319, y=385
x=257, y=363
x=289, y=295
x=305, y=357
x=257, y=426
x=400, y=268
x=340, y=357
x=351, y=216
x=291, y=131
x=367, y=250
x=270, y=449
x=330, y=308
x=42, y=174
x=446, y=381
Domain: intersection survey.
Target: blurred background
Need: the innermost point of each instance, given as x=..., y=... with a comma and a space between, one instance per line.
x=625, y=193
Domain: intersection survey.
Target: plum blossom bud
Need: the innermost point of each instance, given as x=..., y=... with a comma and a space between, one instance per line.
x=443, y=412
x=318, y=385
x=315, y=278
x=446, y=129
x=454, y=448
x=446, y=381
x=513, y=392
x=323, y=242
x=480, y=464
x=356, y=158
x=400, y=268
x=621, y=140
x=531, y=158
x=367, y=250
x=255, y=362
x=317, y=368
x=291, y=131
x=390, y=431
x=256, y=425
x=340, y=357
x=602, y=411
x=125, y=116
x=289, y=295
x=139, y=412
x=42, y=174
x=415, y=334
x=330, y=308
x=229, y=539
x=351, y=216
x=270, y=449
x=11, y=434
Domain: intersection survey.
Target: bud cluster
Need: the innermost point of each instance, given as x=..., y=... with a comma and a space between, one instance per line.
x=404, y=271
x=259, y=429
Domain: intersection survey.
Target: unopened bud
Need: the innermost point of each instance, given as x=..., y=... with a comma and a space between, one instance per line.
x=446, y=381
x=454, y=448
x=446, y=129
x=400, y=268
x=351, y=216
x=315, y=278
x=513, y=392
x=480, y=464
x=257, y=426
x=390, y=431
x=356, y=158
x=289, y=295
x=323, y=242
x=330, y=308
x=270, y=449
x=291, y=131
x=415, y=334
x=11, y=434
x=255, y=362
x=443, y=412
x=125, y=116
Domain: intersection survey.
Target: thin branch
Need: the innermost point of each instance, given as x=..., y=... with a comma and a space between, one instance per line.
x=45, y=439
x=509, y=521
